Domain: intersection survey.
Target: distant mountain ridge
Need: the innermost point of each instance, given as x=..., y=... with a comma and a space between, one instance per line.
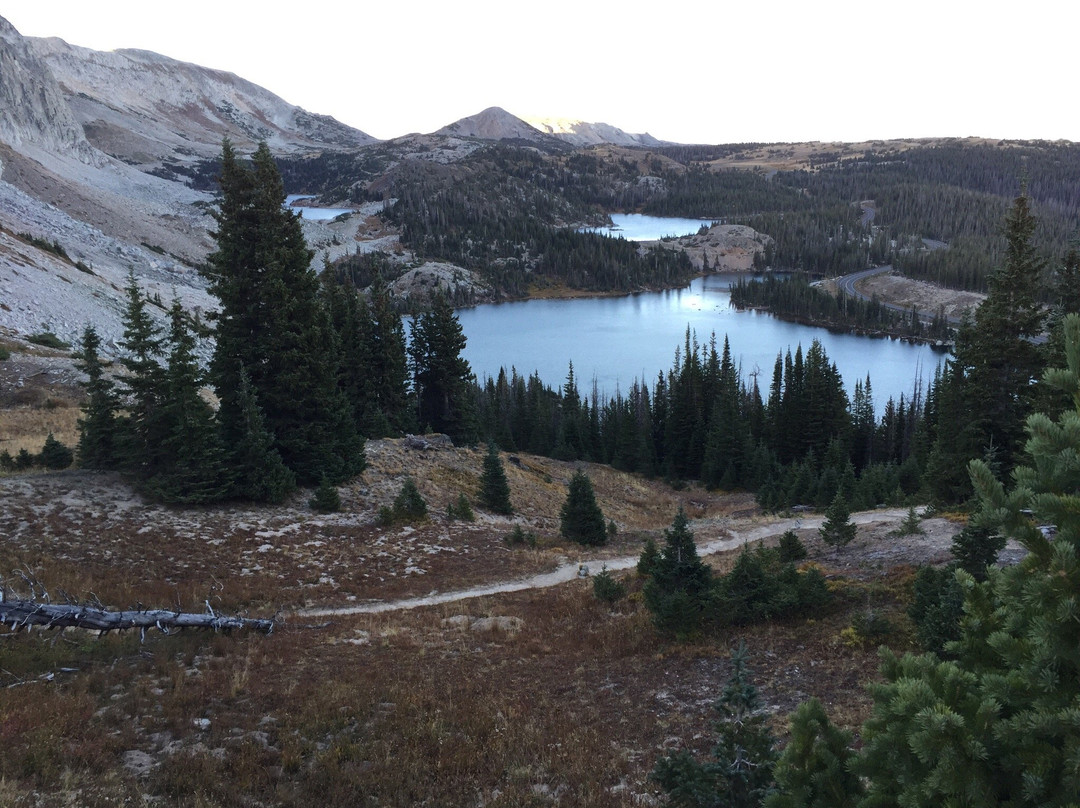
x=583, y=133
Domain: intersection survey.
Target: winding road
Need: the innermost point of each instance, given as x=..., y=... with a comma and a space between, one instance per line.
x=736, y=537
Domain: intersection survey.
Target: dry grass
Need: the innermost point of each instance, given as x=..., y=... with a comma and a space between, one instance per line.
x=569, y=703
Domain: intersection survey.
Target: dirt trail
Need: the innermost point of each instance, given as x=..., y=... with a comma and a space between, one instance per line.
x=736, y=535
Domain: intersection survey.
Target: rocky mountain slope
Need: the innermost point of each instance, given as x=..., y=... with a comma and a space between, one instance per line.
x=92, y=151
x=493, y=123
x=583, y=133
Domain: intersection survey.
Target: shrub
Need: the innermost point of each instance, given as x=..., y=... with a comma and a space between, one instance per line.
x=55, y=455
x=409, y=506
x=650, y=555
x=936, y=607
x=460, y=509
x=910, y=526
x=326, y=499
x=760, y=587
x=837, y=529
x=48, y=339
x=517, y=537
x=608, y=588
x=872, y=626
x=5, y=354
x=23, y=460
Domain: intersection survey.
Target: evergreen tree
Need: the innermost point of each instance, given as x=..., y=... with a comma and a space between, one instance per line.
x=98, y=426
x=678, y=593
x=976, y=547
x=142, y=387
x=326, y=498
x=740, y=775
x=409, y=505
x=259, y=474
x=442, y=378
x=814, y=769
x=837, y=529
x=55, y=455
x=998, y=726
x=580, y=518
x=274, y=326
x=494, y=489
x=191, y=465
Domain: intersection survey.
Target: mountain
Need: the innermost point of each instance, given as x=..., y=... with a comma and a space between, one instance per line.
x=583, y=133
x=494, y=123
x=33, y=109
x=147, y=109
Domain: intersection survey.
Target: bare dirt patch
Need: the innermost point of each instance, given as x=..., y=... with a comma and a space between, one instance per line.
x=925, y=296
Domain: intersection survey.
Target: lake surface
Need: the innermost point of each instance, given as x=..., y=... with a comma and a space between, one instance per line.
x=616, y=340
x=313, y=214
x=639, y=227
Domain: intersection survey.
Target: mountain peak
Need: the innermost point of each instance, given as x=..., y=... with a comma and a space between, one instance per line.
x=493, y=123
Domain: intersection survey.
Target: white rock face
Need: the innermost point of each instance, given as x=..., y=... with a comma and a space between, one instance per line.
x=33, y=110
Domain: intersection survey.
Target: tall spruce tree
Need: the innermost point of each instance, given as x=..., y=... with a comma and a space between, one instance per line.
x=442, y=378
x=97, y=447
x=191, y=470
x=998, y=726
x=494, y=489
x=997, y=361
x=142, y=387
x=274, y=326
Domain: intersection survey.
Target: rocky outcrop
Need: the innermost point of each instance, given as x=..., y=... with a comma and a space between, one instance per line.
x=33, y=109
x=722, y=248
x=419, y=286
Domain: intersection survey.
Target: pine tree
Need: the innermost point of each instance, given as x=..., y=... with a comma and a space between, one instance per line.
x=837, y=529
x=191, y=469
x=442, y=378
x=142, y=387
x=258, y=472
x=740, y=775
x=326, y=498
x=98, y=426
x=814, y=769
x=677, y=594
x=273, y=326
x=55, y=455
x=494, y=489
x=998, y=726
x=581, y=519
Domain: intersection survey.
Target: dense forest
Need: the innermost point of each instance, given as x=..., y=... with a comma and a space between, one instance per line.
x=512, y=211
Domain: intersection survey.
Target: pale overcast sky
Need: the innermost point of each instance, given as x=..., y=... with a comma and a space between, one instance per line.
x=686, y=71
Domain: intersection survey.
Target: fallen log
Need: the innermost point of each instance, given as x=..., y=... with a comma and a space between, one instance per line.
x=25, y=613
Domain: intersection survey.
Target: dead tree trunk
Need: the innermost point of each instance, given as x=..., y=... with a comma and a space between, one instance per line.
x=24, y=613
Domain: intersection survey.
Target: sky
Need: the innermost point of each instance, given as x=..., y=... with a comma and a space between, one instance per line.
x=685, y=70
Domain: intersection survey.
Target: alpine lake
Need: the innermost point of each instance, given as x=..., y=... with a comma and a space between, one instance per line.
x=613, y=341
